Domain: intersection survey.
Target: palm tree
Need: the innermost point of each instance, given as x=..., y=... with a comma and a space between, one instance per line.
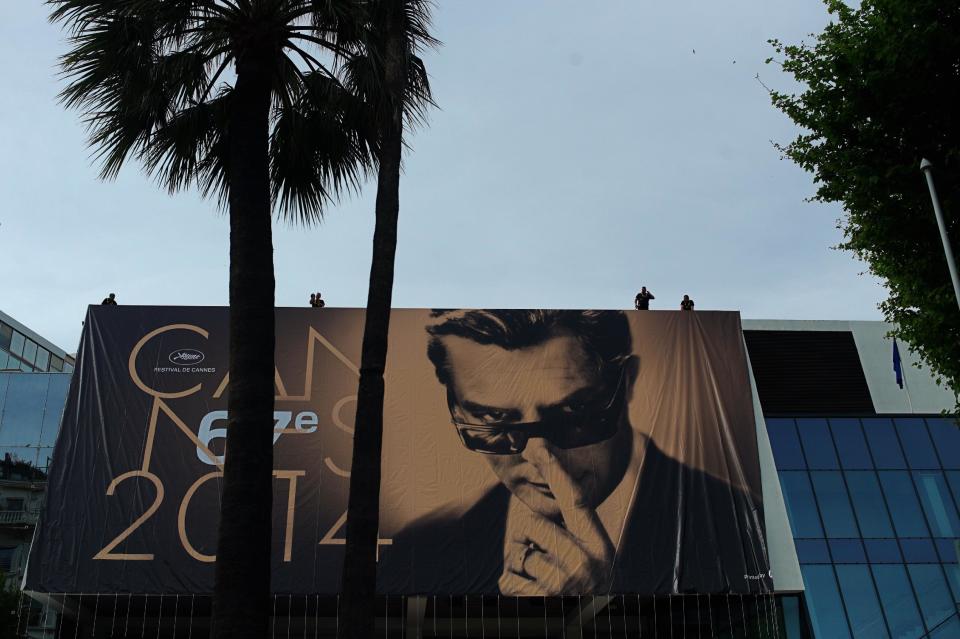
x=393, y=82
x=240, y=98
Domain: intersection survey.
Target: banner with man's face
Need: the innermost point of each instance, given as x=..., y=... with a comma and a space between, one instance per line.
x=525, y=452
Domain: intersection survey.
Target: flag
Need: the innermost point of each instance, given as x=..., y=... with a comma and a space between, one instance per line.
x=897, y=364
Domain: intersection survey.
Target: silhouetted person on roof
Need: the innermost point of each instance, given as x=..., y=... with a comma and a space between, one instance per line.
x=686, y=304
x=316, y=301
x=110, y=301
x=642, y=301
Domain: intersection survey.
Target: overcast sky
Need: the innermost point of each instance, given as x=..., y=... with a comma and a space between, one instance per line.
x=581, y=149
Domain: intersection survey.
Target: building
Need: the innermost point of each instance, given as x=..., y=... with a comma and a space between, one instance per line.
x=870, y=475
x=23, y=350
x=861, y=482
x=34, y=380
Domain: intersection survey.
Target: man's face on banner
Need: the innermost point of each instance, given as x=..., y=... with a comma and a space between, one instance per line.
x=541, y=385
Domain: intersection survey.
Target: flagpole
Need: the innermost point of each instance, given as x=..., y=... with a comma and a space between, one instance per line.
x=927, y=167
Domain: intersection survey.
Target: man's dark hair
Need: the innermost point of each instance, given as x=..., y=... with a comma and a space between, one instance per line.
x=604, y=335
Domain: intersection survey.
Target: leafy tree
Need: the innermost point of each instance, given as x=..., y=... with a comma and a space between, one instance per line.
x=240, y=98
x=881, y=87
x=393, y=82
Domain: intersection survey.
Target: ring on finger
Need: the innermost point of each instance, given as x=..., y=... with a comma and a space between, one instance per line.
x=524, y=554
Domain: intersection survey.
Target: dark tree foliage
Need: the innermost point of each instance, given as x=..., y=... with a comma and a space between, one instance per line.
x=248, y=101
x=881, y=88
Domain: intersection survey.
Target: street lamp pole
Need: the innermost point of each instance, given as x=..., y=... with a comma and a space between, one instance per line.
x=927, y=167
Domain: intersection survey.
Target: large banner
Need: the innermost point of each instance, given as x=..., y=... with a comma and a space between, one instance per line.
x=526, y=452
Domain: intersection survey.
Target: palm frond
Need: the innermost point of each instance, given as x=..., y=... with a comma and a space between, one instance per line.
x=322, y=145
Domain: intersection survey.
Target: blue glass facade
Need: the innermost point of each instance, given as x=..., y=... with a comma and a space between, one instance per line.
x=30, y=409
x=873, y=505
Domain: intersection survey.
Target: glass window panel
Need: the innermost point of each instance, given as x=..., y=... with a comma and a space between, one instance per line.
x=953, y=577
x=947, y=549
x=937, y=503
x=936, y=602
x=898, y=602
x=868, y=503
x=23, y=410
x=18, y=463
x=16, y=343
x=786, y=444
x=883, y=551
x=56, y=364
x=43, y=359
x=56, y=400
x=790, y=605
x=919, y=551
x=907, y=516
x=4, y=358
x=851, y=445
x=953, y=479
x=946, y=437
x=916, y=443
x=4, y=380
x=883, y=443
x=847, y=551
x=823, y=602
x=6, y=333
x=817, y=443
x=860, y=598
x=25, y=367
x=812, y=551
x=30, y=351
x=949, y=630
x=834, y=504
x=801, y=507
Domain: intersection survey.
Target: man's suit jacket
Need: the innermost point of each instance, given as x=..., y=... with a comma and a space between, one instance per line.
x=687, y=532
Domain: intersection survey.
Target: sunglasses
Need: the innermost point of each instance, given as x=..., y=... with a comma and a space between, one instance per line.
x=584, y=427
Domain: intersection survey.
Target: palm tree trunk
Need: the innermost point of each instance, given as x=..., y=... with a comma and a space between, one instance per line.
x=363, y=512
x=242, y=590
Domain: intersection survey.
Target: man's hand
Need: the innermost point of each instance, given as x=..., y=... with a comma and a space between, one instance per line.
x=544, y=558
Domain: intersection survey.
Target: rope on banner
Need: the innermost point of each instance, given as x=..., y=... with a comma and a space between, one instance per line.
x=159, y=615
x=729, y=614
x=76, y=625
x=743, y=615
x=563, y=616
x=113, y=621
x=710, y=615
x=273, y=619
x=143, y=628
x=776, y=615
x=609, y=617
x=546, y=625
x=698, y=616
x=623, y=608
x=96, y=609
x=580, y=611
x=517, y=597
x=683, y=614
x=316, y=618
x=63, y=600
x=499, y=632
x=639, y=618
x=290, y=614
x=670, y=613
x=655, y=630
x=126, y=624
x=756, y=605
x=190, y=631
x=176, y=612
x=466, y=614
x=19, y=611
